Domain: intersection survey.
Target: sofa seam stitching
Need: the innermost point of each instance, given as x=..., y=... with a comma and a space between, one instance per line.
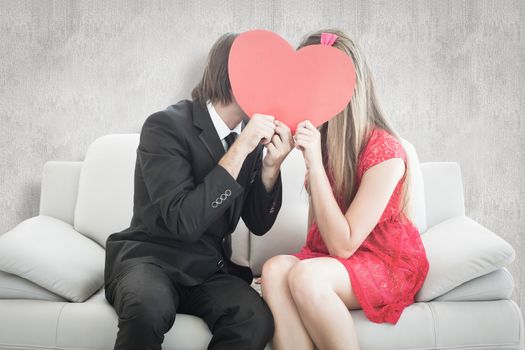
x=58, y=321
x=433, y=323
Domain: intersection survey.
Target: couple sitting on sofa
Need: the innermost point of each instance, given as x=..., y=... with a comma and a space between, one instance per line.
x=200, y=167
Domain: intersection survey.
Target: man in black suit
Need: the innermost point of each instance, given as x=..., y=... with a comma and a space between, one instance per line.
x=193, y=181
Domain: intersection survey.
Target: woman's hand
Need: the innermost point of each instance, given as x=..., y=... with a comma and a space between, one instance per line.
x=308, y=140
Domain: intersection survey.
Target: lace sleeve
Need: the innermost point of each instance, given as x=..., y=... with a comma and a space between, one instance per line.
x=383, y=147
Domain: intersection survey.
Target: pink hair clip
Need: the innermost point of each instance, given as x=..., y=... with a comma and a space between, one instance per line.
x=328, y=38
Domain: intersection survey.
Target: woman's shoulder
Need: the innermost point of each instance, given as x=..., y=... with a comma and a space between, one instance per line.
x=382, y=140
x=381, y=146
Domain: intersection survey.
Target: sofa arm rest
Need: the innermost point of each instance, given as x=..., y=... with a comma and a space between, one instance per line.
x=443, y=191
x=58, y=195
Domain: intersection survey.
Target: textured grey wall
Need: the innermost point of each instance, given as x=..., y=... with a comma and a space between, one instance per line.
x=449, y=75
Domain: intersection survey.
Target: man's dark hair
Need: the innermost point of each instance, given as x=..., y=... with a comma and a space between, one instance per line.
x=215, y=84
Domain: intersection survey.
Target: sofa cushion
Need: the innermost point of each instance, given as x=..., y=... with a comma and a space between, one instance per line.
x=493, y=286
x=433, y=325
x=79, y=322
x=459, y=250
x=29, y=324
x=15, y=287
x=59, y=188
x=105, y=190
x=444, y=197
x=50, y=253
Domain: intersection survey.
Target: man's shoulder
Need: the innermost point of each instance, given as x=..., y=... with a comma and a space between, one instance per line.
x=180, y=113
x=176, y=120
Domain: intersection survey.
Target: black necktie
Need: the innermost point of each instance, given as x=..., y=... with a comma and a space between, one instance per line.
x=230, y=139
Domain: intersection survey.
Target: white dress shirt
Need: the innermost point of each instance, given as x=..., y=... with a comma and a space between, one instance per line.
x=222, y=129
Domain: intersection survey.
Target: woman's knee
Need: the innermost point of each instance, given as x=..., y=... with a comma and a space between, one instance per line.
x=277, y=267
x=306, y=285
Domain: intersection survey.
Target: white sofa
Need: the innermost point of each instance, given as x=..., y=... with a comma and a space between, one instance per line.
x=464, y=304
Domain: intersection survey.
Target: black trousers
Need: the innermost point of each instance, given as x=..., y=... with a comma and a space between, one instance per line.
x=147, y=300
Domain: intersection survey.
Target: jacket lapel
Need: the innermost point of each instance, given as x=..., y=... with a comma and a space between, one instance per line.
x=208, y=135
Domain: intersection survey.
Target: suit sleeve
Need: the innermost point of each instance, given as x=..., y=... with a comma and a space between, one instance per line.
x=187, y=208
x=260, y=207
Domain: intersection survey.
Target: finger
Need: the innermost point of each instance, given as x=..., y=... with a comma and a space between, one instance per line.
x=304, y=131
x=283, y=131
x=287, y=141
x=300, y=145
x=308, y=124
x=265, y=141
x=276, y=140
x=286, y=137
x=272, y=150
x=266, y=124
x=280, y=131
x=282, y=125
x=298, y=138
x=268, y=119
x=305, y=140
x=302, y=139
x=301, y=123
x=266, y=132
x=267, y=127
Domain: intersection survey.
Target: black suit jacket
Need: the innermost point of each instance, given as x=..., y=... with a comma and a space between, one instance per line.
x=186, y=205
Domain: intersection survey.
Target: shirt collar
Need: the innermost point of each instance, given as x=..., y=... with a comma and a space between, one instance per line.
x=222, y=129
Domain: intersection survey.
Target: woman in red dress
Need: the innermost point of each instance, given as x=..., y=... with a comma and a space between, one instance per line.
x=362, y=251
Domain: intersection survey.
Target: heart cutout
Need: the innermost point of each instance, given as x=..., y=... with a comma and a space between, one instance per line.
x=268, y=76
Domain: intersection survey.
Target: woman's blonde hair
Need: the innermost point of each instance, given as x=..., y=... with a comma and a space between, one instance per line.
x=344, y=136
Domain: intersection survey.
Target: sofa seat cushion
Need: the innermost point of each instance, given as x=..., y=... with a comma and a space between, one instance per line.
x=29, y=324
x=79, y=323
x=51, y=254
x=459, y=250
x=15, y=287
x=493, y=286
x=432, y=325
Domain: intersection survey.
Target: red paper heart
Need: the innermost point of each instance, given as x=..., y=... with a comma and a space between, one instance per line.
x=269, y=77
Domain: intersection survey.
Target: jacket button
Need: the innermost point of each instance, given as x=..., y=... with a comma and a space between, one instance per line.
x=220, y=263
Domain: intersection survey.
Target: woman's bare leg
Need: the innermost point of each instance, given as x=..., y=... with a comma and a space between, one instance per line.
x=323, y=294
x=289, y=330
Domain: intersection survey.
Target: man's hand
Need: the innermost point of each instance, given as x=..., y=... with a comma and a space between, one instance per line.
x=281, y=144
x=260, y=127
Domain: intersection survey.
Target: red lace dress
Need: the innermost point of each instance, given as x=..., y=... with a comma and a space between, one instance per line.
x=390, y=266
